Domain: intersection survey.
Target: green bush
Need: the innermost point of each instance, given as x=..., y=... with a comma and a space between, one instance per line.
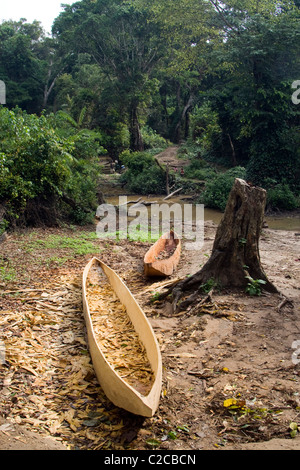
x=199, y=169
x=142, y=175
x=34, y=161
x=216, y=192
x=152, y=139
x=281, y=197
x=204, y=126
x=190, y=151
x=38, y=170
x=277, y=157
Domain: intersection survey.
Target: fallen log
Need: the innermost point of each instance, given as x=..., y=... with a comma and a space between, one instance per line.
x=172, y=194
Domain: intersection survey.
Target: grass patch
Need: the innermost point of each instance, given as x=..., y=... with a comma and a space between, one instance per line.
x=81, y=244
x=7, y=274
x=139, y=235
x=59, y=261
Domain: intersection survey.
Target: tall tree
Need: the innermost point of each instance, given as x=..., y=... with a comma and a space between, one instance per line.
x=251, y=91
x=21, y=68
x=123, y=42
x=189, y=34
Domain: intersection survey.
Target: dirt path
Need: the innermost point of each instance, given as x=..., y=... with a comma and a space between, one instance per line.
x=238, y=350
x=169, y=156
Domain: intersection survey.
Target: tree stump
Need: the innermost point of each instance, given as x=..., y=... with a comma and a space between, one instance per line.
x=235, y=253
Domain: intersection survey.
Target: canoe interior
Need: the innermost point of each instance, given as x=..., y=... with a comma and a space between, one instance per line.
x=132, y=396
x=163, y=257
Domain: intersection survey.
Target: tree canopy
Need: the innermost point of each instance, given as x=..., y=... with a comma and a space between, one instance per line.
x=217, y=75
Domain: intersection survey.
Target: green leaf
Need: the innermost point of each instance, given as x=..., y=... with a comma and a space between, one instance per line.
x=153, y=442
x=294, y=426
x=183, y=428
x=294, y=429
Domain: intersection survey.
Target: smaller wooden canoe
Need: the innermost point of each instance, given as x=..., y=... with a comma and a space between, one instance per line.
x=123, y=347
x=163, y=257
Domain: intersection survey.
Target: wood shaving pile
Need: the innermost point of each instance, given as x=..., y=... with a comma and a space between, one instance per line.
x=116, y=335
x=165, y=254
x=47, y=380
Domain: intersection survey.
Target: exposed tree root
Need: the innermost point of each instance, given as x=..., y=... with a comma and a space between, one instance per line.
x=284, y=302
x=235, y=260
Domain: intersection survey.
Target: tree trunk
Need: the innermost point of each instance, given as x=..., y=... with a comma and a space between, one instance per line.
x=234, y=162
x=183, y=119
x=167, y=180
x=49, y=85
x=136, y=140
x=235, y=252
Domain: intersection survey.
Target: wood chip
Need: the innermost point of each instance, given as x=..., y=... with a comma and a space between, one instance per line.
x=116, y=335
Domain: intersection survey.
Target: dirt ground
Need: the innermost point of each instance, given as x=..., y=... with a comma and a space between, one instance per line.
x=169, y=157
x=237, y=350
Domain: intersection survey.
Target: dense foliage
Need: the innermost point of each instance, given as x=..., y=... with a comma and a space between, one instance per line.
x=40, y=174
x=143, y=175
x=218, y=188
x=122, y=76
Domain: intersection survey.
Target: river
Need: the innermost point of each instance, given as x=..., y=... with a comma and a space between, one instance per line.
x=287, y=222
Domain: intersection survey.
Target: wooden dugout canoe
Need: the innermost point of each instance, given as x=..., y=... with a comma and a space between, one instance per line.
x=153, y=266
x=118, y=390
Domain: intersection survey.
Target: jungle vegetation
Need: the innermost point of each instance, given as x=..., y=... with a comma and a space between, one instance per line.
x=124, y=77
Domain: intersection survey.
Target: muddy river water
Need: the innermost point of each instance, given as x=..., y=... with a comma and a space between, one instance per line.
x=275, y=222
